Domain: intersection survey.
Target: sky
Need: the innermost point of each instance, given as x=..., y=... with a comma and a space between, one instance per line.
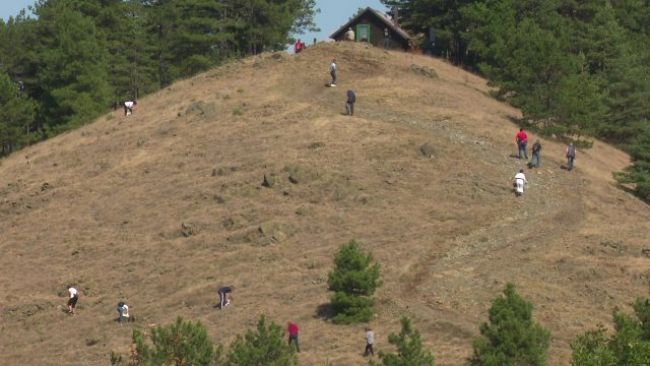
x=12, y=7
x=334, y=13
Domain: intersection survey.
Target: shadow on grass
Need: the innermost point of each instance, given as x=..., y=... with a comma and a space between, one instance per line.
x=324, y=312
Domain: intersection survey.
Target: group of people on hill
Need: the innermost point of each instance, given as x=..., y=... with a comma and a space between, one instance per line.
x=350, y=94
x=521, y=138
x=224, y=300
x=122, y=307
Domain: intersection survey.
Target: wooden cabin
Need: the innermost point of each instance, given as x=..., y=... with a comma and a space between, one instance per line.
x=370, y=25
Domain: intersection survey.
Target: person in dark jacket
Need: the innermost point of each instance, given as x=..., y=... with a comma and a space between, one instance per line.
x=535, y=161
x=570, y=156
x=349, y=105
x=224, y=299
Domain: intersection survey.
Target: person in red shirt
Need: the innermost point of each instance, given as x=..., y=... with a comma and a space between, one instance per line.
x=298, y=46
x=522, y=140
x=292, y=329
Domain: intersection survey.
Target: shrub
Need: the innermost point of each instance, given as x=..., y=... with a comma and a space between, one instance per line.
x=409, y=348
x=511, y=338
x=630, y=345
x=354, y=280
x=264, y=346
x=181, y=344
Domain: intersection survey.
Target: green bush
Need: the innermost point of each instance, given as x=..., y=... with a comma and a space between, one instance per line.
x=630, y=344
x=265, y=346
x=179, y=344
x=511, y=338
x=409, y=348
x=354, y=280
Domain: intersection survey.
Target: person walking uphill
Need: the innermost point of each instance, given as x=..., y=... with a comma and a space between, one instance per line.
x=570, y=156
x=223, y=296
x=370, y=340
x=292, y=329
x=535, y=162
x=349, y=105
x=333, y=72
x=522, y=140
x=520, y=181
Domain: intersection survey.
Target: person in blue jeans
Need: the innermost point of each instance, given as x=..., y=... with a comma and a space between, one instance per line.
x=537, y=149
x=570, y=156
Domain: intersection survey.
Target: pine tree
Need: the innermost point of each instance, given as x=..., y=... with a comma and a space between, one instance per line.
x=511, y=337
x=181, y=344
x=17, y=113
x=409, y=348
x=354, y=280
x=73, y=71
x=264, y=346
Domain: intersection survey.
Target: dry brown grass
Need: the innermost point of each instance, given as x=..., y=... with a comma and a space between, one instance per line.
x=448, y=231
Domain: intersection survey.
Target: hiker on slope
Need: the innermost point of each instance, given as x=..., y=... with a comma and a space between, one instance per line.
x=537, y=149
x=292, y=329
x=74, y=297
x=522, y=139
x=570, y=156
x=333, y=72
x=123, y=311
x=224, y=299
x=349, y=104
x=128, y=107
x=520, y=182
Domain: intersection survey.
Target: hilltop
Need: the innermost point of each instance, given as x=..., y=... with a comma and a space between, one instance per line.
x=162, y=207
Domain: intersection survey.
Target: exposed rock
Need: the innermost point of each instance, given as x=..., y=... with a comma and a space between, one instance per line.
x=202, y=109
x=45, y=186
x=188, y=229
x=268, y=181
x=424, y=71
x=427, y=150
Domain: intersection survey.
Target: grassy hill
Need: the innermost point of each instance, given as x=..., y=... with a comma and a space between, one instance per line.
x=161, y=208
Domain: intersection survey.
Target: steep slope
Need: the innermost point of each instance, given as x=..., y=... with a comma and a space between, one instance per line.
x=161, y=208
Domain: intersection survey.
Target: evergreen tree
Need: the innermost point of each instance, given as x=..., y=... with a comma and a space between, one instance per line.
x=409, y=348
x=181, y=344
x=630, y=345
x=264, y=346
x=354, y=280
x=73, y=70
x=16, y=116
x=511, y=337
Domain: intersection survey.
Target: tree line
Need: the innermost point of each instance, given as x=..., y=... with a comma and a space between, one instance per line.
x=510, y=337
x=67, y=61
x=575, y=68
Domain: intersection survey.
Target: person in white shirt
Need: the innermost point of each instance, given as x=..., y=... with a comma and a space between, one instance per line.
x=520, y=181
x=128, y=107
x=333, y=72
x=123, y=310
x=74, y=297
x=370, y=340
